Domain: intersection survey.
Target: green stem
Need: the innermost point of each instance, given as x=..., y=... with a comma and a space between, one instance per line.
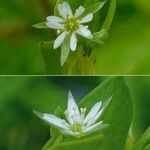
x=110, y=15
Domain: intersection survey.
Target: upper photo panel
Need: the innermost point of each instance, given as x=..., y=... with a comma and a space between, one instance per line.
x=74, y=37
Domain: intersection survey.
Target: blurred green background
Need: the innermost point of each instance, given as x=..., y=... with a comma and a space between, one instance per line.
x=20, y=129
x=126, y=51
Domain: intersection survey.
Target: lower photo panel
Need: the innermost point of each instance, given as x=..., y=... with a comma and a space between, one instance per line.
x=75, y=113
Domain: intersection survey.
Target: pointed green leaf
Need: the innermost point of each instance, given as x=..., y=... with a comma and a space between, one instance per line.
x=117, y=114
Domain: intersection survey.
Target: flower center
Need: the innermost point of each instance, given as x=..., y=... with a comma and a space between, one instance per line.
x=76, y=127
x=72, y=24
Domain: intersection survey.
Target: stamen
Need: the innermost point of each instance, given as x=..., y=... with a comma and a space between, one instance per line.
x=76, y=127
x=58, y=31
x=66, y=112
x=83, y=110
x=72, y=24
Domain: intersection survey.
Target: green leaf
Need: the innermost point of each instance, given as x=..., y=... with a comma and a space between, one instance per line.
x=117, y=114
x=41, y=25
x=49, y=143
x=89, y=143
x=144, y=143
x=51, y=58
x=82, y=65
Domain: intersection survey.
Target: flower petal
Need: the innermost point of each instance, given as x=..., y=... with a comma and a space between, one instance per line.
x=91, y=122
x=79, y=11
x=72, y=106
x=54, y=25
x=54, y=19
x=93, y=127
x=73, y=42
x=73, y=114
x=98, y=115
x=68, y=9
x=83, y=31
x=62, y=10
x=75, y=134
x=65, y=10
x=59, y=40
x=94, y=110
x=60, y=123
x=87, y=18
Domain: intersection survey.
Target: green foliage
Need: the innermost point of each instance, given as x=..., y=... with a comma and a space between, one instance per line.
x=19, y=95
x=144, y=143
x=117, y=115
x=21, y=129
x=128, y=39
x=51, y=58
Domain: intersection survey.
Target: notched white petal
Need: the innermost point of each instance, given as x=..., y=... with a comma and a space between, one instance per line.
x=87, y=18
x=62, y=10
x=54, y=19
x=68, y=9
x=73, y=42
x=60, y=39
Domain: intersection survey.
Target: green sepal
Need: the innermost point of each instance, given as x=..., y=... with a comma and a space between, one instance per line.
x=93, y=9
x=41, y=25
x=101, y=35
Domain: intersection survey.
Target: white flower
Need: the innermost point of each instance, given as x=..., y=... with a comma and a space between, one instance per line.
x=76, y=122
x=69, y=25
